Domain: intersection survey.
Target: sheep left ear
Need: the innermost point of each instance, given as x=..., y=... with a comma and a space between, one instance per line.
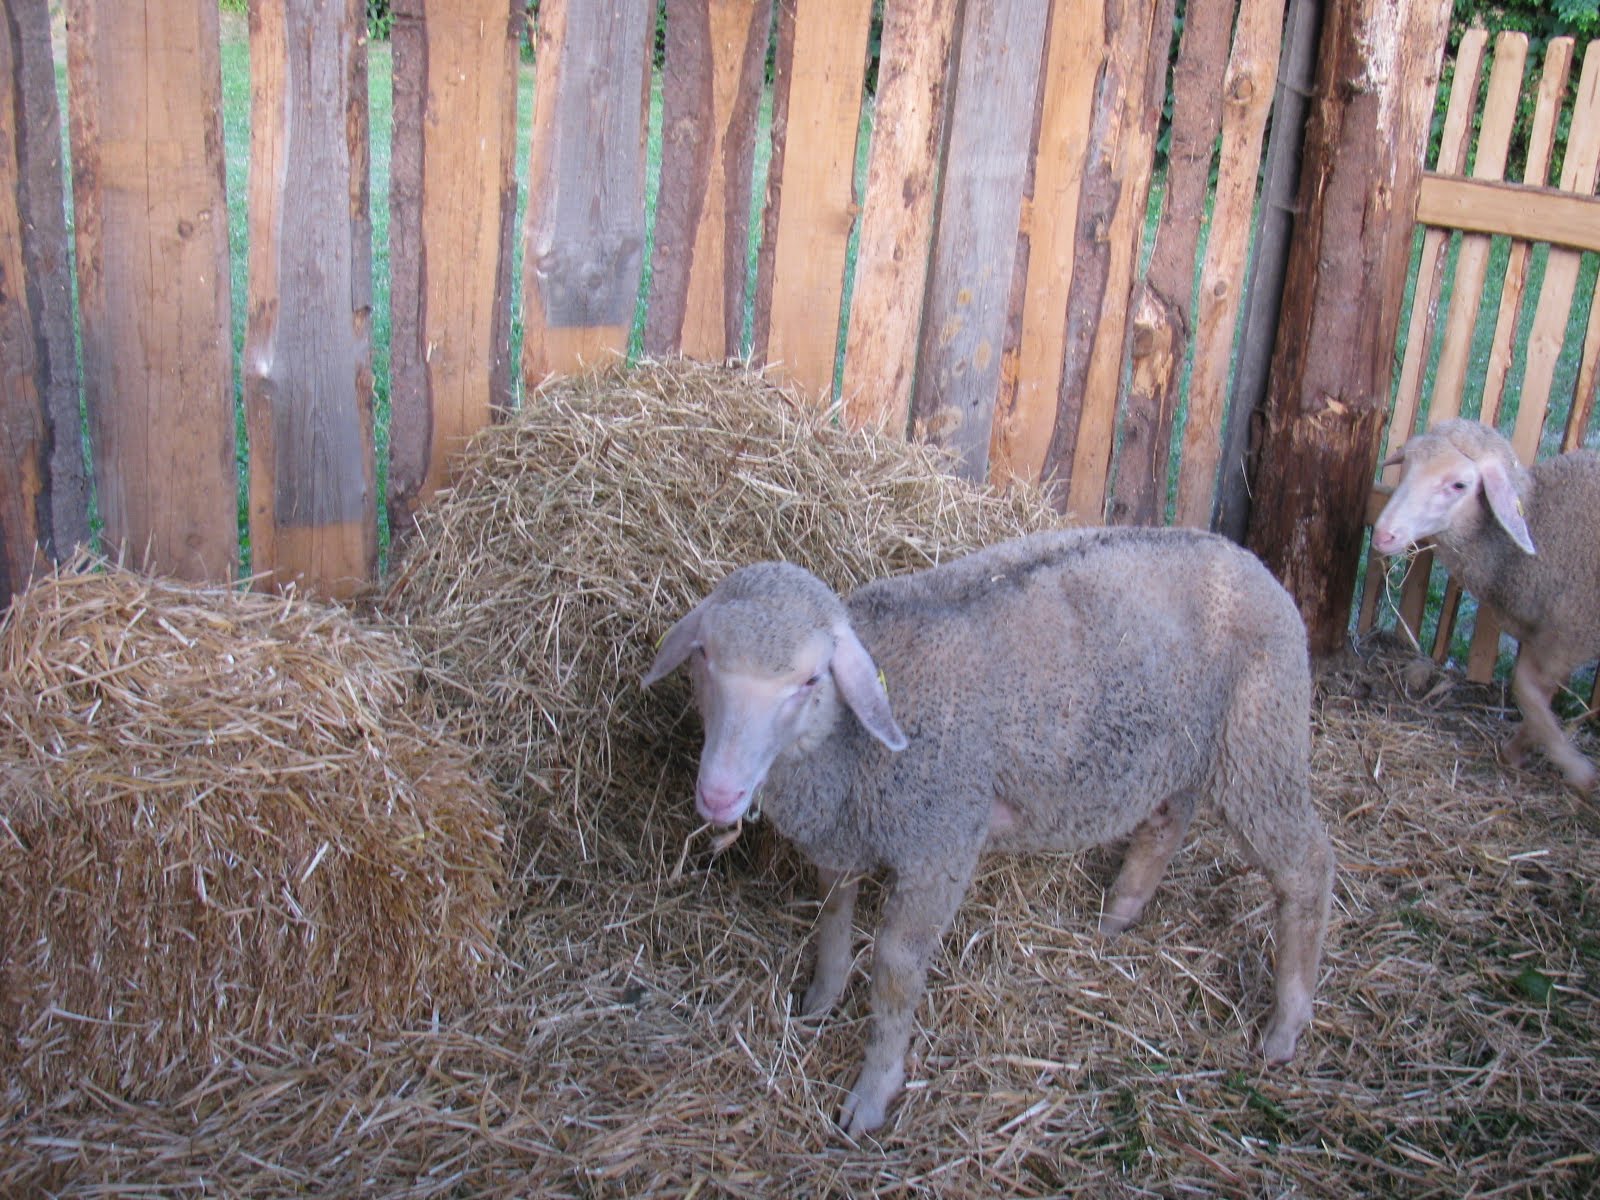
x=678, y=643
x=1505, y=503
x=861, y=685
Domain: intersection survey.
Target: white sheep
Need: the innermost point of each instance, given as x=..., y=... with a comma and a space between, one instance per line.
x=1526, y=543
x=1053, y=692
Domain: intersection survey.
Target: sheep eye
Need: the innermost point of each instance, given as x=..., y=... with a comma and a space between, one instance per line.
x=814, y=680
x=1460, y=485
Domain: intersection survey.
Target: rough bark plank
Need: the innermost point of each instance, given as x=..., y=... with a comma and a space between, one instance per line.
x=821, y=63
x=975, y=239
x=584, y=250
x=710, y=95
x=452, y=204
x=1116, y=181
x=308, y=357
x=1025, y=412
x=44, y=499
x=1271, y=242
x=1163, y=303
x=151, y=227
x=1329, y=386
x=897, y=213
x=1247, y=99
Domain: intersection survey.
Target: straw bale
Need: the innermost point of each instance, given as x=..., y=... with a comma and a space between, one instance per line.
x=583, y=527
x=223, y=818
x=643, y=1041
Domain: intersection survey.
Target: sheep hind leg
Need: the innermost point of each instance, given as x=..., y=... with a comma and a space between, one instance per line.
x=1532, y=684
x=1151, y=849
x=1298, y=860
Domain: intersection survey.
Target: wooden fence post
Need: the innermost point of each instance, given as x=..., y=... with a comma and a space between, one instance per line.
x=44, y=499
x=975, y=242
x=453, y=204
x=1329, y=385
x=151, y=220
x=584, y=248
x=710, y=99
x=307, y=358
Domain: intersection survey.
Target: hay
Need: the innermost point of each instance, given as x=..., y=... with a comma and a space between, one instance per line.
x=582, y=528
x=643, y=1044
x=221, y=825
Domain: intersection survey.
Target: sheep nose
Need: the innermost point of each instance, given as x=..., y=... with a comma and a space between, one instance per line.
x=1384, y=541
x=719, y=803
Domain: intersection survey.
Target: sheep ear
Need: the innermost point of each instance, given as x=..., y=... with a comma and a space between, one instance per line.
x=863, y=689
x=1394, y=460
x=1504, y=502
x=676, y=646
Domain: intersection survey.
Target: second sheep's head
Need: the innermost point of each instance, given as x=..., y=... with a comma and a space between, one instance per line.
x=772, y=655
x=1445, y=472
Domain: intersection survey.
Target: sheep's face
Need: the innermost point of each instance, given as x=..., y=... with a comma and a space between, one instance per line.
x=1438, y=489
x=753, y=712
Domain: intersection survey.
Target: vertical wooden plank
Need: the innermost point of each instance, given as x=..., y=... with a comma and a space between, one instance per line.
x=1541, y=142
x=452, y=204
x=1330, y=379
x=44, y=493
x=1118, y=159
x=584, y=231
x=1579, y=172
x=975, y=239
x=894, y=252
x=1472, y=262
x=1025, y=412
x=710, y=95
x=1452, y=159
x=307, y=358
x=1583, y=394
x=151, y=223
x=1163, y=304
x=821, y=62
x=1246, y=99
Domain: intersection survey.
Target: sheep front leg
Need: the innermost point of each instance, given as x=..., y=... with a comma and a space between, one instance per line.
x=915, y=916
x=1532, y=684
x=835, y=925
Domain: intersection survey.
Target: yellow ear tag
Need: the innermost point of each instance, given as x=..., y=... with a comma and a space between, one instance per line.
x=882, y=682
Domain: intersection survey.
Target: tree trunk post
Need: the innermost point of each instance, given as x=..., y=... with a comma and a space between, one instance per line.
x=1328, y=389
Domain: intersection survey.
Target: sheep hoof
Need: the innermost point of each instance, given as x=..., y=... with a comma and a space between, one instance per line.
x=820, y=998
x=867, y=1104
x=1111, y=925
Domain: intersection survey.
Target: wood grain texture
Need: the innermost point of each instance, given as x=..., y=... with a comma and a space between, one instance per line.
x=975, y=242
x=710, y=96
x=452, y=203
x=584, y=234
x=44, y=493
x=1025, y=410
x=151, y=227
x=897, y=213
x=1118, y=160
x=1246, y=103
x=1329, y=387
x=1158, y=338
x=821, y=63
x=307, y=357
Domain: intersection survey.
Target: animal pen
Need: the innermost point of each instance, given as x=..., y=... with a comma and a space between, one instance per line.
x=955, y=222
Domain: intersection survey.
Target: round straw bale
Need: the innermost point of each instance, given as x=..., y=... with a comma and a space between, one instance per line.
x=586, y=524
x=224, y=821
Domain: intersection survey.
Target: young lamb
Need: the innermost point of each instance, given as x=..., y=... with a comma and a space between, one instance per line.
x=1054, y=692
x=1524, y=543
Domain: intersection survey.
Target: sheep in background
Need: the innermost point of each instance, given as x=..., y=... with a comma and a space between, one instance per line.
x=1526, y=543
x=1054, y=692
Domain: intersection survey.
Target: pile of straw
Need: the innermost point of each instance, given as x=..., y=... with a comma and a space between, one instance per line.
x=537, y=589
x=222, y=825
x=643, y=1041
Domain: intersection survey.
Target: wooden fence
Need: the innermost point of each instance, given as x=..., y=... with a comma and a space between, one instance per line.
x=1536, y=415
x=1012, y=295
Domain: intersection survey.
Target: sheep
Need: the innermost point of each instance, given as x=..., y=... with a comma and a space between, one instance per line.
x=1524, y=543
x=1054, y=692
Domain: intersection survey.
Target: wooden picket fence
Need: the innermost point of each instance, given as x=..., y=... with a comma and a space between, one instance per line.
x=1481, y=202
x=1000, y=300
